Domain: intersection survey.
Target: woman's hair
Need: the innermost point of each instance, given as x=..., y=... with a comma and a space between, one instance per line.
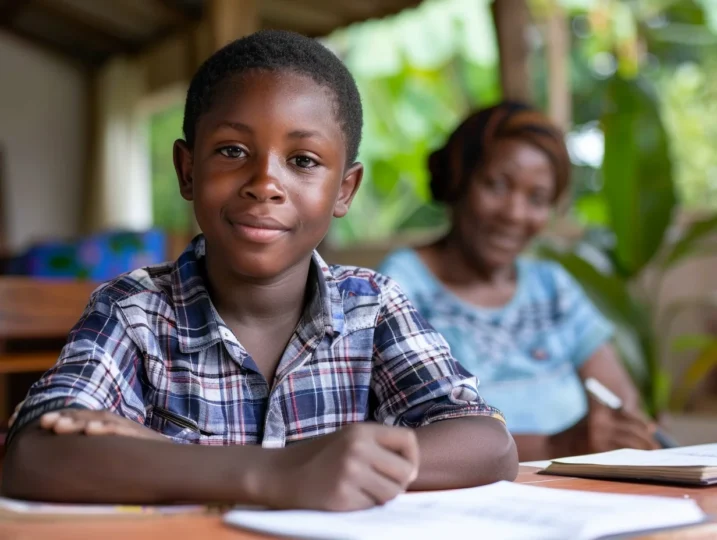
x=468, y=146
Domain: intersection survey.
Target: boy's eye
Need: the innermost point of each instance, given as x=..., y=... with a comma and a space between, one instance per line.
x=304, y=162
x=232, y=151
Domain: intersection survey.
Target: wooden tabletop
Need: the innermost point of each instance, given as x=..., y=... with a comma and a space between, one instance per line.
x=210, y=526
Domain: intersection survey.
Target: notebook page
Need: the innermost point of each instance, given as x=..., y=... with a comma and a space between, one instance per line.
x=701, y=450
x=643, y=458
x=502, y=511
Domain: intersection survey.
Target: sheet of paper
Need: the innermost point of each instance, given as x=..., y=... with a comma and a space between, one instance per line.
x=645, y=458
x=537, y=464
x=41, y=508
x=701, y=450
x=502, y=511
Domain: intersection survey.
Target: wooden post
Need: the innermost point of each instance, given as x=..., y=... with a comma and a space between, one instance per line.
x=512, y=19
x=231, y=19
x=557, y=50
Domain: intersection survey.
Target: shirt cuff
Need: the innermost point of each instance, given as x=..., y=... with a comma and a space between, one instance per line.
x=32, y=410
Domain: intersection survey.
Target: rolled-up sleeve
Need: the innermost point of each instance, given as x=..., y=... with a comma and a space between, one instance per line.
x=415, y=379
x=98, y=368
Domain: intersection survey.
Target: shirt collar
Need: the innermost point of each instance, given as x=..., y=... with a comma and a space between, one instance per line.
x=199, y=326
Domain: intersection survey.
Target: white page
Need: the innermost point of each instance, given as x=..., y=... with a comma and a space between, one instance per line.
x=702, y=450
x=502, y=511
x=37, y=508
x=538, y=464
x=644, y=458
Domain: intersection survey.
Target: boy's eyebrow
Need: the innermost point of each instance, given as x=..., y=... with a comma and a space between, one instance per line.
x=305, y=134
x=296, y=134
x=238, y=126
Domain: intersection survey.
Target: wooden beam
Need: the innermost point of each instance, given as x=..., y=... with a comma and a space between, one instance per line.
x=48, y=46
x=3, y=205
x=88, y=26
x=512, y=20
x=231, y=19
x=9, y=9
x=180, y=12
x=557, y=50
x=299, y=17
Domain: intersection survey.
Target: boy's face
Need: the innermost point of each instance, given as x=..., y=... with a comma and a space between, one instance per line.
x=267, y=172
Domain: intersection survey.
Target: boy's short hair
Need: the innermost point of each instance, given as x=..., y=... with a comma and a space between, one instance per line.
x=277, y=50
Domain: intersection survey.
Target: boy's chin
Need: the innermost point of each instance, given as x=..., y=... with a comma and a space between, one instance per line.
x=261, y=267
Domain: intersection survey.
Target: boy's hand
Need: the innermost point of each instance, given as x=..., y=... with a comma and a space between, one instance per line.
x=609, y=429
x=358, y=467
x=73, y=421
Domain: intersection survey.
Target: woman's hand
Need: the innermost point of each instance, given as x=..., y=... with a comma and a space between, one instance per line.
x=609, y=429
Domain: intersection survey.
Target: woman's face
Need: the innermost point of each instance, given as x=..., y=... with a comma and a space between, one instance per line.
x=508, y=202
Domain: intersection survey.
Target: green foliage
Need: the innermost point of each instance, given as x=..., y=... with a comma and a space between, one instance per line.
x=638, y=199
x=637, y=171
x=169, y=210
x=419, y=74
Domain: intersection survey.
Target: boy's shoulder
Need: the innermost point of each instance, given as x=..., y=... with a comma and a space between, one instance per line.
x=359, y=281
x=154, y=280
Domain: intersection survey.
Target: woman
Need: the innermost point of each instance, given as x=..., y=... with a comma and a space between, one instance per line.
x=523, y=327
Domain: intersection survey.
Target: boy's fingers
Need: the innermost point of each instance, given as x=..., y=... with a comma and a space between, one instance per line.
x=47, y=421
x=97, y=427
x=400, y=440
x=66, y=425
x=394, y=467
x=379, y=488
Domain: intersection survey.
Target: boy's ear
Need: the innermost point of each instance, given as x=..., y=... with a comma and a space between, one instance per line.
x=183, y=160
x=349, y=187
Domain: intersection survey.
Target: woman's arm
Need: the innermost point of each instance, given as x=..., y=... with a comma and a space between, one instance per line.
x=603, y=429
x=605, y=366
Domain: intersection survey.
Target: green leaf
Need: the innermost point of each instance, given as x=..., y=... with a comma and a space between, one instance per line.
x=609, y=293
x=637, y=173
x=690, y=241
x=705, y=362
x=691, y=342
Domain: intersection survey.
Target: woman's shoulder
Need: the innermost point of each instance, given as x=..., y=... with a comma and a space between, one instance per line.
x=545, y=275
x=405, y=266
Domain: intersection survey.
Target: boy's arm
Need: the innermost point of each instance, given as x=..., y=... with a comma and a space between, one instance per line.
x=418, y=384
x=352, y=469
x=464, y=452
x=40, y=465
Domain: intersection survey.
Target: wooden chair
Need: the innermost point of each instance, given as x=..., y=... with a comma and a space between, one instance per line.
x=35, y=317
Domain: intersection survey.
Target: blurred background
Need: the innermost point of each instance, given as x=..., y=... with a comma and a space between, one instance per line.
x=91, y=101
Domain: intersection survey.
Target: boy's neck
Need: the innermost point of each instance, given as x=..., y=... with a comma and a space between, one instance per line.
x=249, y=302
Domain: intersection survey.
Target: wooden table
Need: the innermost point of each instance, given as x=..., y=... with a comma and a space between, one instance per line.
x=206, y=526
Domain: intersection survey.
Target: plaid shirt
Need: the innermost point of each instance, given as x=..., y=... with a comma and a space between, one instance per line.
x=151, y=347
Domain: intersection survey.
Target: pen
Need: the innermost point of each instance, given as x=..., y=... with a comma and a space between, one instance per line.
x=603, y=394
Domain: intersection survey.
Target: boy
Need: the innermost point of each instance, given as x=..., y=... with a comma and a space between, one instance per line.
x=249, y=342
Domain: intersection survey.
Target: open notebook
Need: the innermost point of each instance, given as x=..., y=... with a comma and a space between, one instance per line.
x=695, y=465
x=502, y=511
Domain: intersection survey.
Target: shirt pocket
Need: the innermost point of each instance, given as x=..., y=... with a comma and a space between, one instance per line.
x=178, y=427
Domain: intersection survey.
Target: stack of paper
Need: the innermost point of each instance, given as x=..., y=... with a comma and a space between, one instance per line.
x=502, y=511
x=689, y=465
x=16, y=509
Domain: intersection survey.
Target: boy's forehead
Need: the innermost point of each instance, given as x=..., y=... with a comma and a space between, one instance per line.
x=267, y=95
x=261, y=80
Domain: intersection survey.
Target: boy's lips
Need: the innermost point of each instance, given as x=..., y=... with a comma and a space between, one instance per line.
x=260, y=229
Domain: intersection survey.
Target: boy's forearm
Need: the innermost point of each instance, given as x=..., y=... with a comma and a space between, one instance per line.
x=465, y=452
x=124, y=470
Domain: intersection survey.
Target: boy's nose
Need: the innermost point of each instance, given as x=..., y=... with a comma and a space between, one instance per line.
x=264, y=185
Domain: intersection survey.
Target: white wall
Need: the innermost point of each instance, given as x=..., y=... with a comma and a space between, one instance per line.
x=42, y=133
